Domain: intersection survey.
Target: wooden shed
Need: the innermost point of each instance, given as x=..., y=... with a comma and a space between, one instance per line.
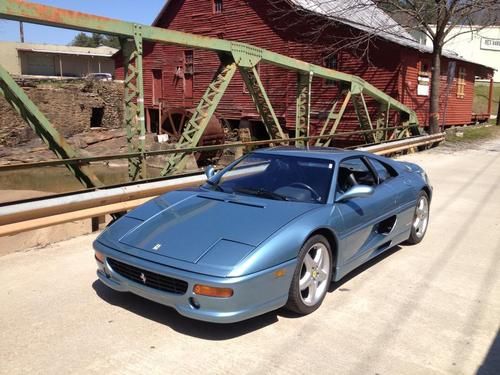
x=175, y=78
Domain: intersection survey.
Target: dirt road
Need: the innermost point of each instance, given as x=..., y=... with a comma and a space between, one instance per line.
x=431, y=308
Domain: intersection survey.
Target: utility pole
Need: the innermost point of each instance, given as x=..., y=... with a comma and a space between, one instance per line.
x=21, y=31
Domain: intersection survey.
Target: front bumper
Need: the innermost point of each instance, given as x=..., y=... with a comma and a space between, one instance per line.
x=253, y=295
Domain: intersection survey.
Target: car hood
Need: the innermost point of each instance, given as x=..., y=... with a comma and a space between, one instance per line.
x=203, y=227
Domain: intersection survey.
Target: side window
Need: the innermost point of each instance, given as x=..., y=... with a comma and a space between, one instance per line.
x=353, y=172
x=188, y=74
x=384, y=172
x=461, y=83
x=330, y=62
x=218, y=6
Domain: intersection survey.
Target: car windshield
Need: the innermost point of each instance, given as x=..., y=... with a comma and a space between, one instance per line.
x=278, y=177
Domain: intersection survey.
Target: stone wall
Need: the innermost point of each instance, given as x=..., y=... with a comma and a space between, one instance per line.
x=71, y=106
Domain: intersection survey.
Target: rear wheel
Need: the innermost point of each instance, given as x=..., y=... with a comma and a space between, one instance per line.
x=420, y=219
x=312, y=276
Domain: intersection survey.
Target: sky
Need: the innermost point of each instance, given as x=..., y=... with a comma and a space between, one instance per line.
x=143, y=12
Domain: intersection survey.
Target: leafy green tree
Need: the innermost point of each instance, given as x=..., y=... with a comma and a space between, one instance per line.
x=112, y=41
x=95, y=40
x=82, y=40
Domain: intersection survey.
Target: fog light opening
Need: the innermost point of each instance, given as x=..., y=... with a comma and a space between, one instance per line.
x=194, y=303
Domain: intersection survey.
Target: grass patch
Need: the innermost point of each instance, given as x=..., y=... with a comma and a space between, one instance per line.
x=472, y=133
x=481, y=92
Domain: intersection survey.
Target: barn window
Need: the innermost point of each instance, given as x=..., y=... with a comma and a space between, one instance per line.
x=461, y=83
x=444, y=69
x=330, y=62
x=157, y=85
x=188, y=73
x=218, y=6
x=423, y=79
x=188, y=62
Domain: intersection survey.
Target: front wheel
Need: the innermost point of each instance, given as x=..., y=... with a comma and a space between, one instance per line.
x=312, y=276
x=420, y=219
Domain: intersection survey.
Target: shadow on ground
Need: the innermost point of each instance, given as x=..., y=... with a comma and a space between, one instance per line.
x=211, y=331
x=334, y=286
x=170, y=317
x=491, y=364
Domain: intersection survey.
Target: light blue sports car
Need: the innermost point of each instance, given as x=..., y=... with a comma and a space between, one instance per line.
x=272, y=229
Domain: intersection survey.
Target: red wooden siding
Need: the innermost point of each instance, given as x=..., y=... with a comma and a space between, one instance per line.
x=458, y=110
x=390, y=67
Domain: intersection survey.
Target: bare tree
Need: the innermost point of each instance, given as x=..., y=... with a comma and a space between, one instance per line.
x=435, y=18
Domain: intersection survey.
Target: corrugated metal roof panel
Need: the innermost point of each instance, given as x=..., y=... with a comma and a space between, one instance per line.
x=62, y=49
x=366, y=16
x=361, y=14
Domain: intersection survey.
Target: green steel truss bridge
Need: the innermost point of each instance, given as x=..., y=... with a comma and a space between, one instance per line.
x=234, y=57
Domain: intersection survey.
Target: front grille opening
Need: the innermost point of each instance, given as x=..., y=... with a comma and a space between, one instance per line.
x=148, y=278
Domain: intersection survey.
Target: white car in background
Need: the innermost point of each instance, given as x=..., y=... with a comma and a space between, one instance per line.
x=99, y=76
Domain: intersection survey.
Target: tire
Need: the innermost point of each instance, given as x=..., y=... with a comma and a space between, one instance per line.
x=312, y=276
x=420, y=221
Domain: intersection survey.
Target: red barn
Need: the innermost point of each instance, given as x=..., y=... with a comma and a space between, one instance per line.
x=175, y=78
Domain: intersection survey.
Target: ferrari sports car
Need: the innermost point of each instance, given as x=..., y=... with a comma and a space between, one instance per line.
x=272, y=229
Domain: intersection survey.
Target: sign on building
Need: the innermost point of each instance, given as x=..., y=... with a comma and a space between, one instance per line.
x=490, y=44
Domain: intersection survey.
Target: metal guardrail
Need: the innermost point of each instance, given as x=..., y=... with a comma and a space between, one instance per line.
x=405, y=144
x=23, y=217
x=191, y=150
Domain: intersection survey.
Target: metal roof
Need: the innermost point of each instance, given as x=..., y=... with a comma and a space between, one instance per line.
x=102, y=51
x=366, y=16
x=360, y=14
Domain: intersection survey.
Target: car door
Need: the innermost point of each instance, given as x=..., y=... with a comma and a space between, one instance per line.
x=363, y=226
x=405, y=193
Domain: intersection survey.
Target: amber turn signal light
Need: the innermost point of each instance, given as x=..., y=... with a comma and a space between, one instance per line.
x=210, y=291
x=99, y=256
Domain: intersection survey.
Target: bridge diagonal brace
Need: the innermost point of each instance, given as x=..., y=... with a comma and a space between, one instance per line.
x=37, y=121
x=343, y=99
x=381, y=122
x=303, y=107
x=363, y=115
x=201, y=117
x=263, y=104
x=134, y=121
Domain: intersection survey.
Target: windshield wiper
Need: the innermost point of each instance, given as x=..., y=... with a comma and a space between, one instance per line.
x=215, y=185
x=262, y=193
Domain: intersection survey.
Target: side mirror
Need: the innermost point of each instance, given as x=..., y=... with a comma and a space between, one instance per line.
x=210, y=171
x=358, y=191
